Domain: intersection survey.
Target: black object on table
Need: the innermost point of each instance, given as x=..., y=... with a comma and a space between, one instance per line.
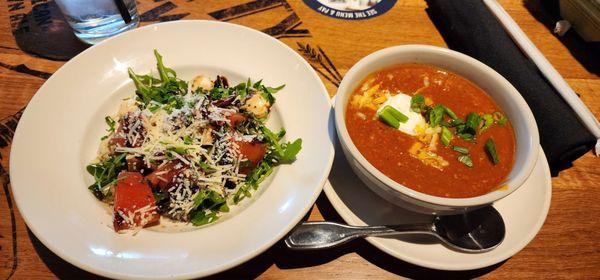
x=123, y=10
x=469, y=27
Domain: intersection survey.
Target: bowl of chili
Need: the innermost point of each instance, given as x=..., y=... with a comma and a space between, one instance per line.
x=434, y=130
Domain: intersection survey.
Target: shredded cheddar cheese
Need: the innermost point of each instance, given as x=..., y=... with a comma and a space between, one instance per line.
x=370, y=97
x=427, y=157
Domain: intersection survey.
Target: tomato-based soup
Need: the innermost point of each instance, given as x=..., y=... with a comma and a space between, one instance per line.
x=476, y=154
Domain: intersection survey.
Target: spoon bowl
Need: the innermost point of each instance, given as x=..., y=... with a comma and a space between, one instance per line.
x=477, y=231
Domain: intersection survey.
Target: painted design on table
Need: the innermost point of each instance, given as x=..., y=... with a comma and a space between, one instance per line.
x=315, y=59
x=22, y=68
x=7, y=130
x=5, y=181
x=287, y=28
x=157, y=13
x=8, y=126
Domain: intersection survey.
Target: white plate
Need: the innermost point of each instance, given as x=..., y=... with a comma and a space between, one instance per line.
x=60, y=130
x=524, y=212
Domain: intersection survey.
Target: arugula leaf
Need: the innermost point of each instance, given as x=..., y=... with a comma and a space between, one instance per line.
x=200, y=218
x=159, y=196
x=111, y=127
x=105, y=175
x=164, y=91
x=273, y=139
x=253, y=180
x=291, y=150
x=272, y=90
x=257, y=84
x=279, y=153
x=207, y=206
x=111, y=124
x=241, y=89
x=219, y=93
x=137, y=80
x=165, y=73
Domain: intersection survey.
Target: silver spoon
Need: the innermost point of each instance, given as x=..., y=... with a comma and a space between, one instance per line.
x=476, y=231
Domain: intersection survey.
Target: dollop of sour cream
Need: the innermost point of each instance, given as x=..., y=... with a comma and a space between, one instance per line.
x=401, y=102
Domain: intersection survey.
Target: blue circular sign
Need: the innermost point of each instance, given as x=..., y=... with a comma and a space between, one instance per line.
x=351, y=9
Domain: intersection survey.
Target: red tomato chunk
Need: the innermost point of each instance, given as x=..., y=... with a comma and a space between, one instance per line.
x=254, y=152
x=134, y=204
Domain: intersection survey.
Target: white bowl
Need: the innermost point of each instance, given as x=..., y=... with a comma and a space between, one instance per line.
x=505, y=95
x=60, y=130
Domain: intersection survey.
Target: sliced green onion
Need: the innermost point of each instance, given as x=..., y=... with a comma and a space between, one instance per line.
x=466, y=136
x=446, y=136
x=490, y=148
x=472, y=123
x=456, y=122
x=397, y=114
x=450, y=113
x=436, y=115
x=460, y=149
x=488, y=120
x=466, y=160
x=500, y=118
x=388, y=118
x=416, y=102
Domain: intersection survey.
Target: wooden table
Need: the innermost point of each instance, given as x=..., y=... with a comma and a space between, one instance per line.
x=568, y=245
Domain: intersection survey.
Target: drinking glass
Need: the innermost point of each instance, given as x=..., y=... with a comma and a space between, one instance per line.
x=95, y=20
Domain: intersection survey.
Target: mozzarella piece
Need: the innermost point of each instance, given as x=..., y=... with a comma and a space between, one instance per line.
x=202, y=82
x=257, y=105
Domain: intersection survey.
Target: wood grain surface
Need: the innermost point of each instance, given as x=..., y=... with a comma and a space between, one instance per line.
x=35, y=42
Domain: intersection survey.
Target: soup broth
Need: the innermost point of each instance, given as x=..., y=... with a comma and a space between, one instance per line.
x=432, y=155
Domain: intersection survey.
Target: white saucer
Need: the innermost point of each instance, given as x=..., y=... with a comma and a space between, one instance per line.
x=524, y=212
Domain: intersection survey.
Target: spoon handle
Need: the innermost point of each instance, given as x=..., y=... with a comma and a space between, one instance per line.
x=320, y=235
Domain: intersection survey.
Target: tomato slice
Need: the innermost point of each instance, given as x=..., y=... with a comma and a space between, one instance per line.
x=236, y=118
x=118, y=141
x=254, y=152
x=134, y=204
x=163, y=175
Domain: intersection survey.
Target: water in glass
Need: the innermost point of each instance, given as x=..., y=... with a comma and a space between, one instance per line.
x=95, y=20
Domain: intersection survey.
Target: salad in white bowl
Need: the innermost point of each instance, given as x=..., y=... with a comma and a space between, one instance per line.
x=185, y=151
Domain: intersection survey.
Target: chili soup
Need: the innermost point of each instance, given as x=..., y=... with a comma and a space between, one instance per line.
x=431, y=130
